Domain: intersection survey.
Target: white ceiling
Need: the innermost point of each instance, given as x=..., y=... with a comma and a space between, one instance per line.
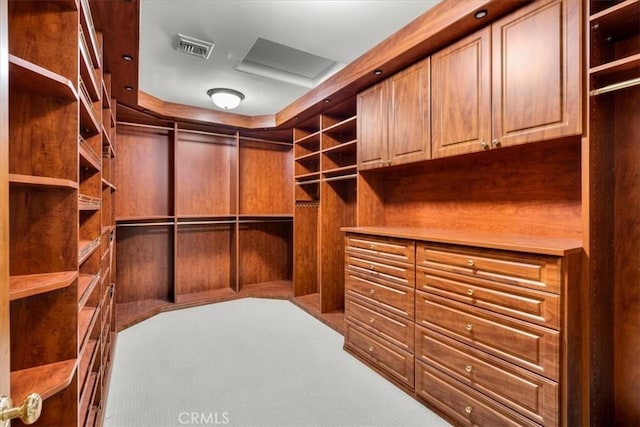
x=337, y=31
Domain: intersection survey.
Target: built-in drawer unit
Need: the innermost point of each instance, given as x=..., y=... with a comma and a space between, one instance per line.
x=383, y=355
x=525, y=344
x=463, y=404
x=396, y=299
x=526, y=270
x=395, y=250
x=527, y=393
x=396, y=329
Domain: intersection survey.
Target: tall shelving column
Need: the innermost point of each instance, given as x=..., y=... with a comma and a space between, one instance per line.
x=614, y=209
x=43, y=205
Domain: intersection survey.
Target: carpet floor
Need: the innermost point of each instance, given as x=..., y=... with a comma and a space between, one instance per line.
x=249, y=362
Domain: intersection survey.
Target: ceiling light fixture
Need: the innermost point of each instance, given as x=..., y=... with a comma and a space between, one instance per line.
x=227, y=99
x=481, y=14
x=377, y=72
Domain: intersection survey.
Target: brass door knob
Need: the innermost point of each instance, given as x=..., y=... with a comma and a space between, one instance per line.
x=496, y=143
x=468, y=409
x=28, y=412
x=484, y=145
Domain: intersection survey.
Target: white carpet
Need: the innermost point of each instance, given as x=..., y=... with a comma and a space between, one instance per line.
x=249, y=362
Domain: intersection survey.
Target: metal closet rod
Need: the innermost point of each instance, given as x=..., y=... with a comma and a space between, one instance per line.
x=616, y=86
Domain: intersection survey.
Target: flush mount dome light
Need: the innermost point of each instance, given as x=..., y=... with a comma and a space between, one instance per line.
x=227, y=99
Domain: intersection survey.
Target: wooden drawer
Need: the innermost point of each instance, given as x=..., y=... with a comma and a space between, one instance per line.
x=375, y=269
x=397, y=299
x=525, y=392
x=397, y=250
x=463, y=404
x=542, y=308
x=385, y=356
x=531, y=271
x=527, y=345
x=398, y=330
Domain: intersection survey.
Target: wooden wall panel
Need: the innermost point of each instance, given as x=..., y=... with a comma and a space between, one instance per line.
x=203, y=262
x=205, y=173
x=265, y=252
x=266, y=179
x=626, y=240
x=144, y=172
x=305, y=253
x=144, y=265
x=533, y=190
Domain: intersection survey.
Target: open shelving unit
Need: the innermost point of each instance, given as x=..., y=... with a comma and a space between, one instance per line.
x=208, y=209
x=325, y=167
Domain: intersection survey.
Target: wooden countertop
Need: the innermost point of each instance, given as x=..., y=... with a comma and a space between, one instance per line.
x=522, y=243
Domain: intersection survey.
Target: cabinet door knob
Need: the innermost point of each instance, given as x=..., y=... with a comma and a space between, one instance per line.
x=468, y=327
x=28, y=412
x=484, y=145
x=470, y=292
x=468, y=409
x=470, y=263
x=468, y=368
x=496, y=143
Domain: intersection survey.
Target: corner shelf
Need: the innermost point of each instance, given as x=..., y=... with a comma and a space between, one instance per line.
x=28, y=77
x=46, y=380
x=41, y=181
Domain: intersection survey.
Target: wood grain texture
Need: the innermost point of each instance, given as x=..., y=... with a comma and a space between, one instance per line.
x=53, y=333
x=509, y=191
x=144, y=175
x=265, y=252
x=626, y=238
x=33, y=284
x=537, y=100
x=144, y=265
x=337, y=209
x=5, y=340
x=202, y=261
x=461, y=96
x=205, y=174
x=265, y=178
x=305, y=249
x=373, y=123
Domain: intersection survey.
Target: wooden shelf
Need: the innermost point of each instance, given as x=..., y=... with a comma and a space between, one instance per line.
x=88, y=157
x=347, y=126
x=345, y=146
x=34, y=284
x=88, y=119
x=88, y=203
x=86, y=320
x=106, y=183
x=41, y=181
x=308, y=157
x=345, y=172
x=87, y=396
x=618, y=66
x=46, y=380
x=86, y=248
x=86, y=71
x=277, y=289
x=105, y=229
x=130, y=313
x=86, y=22
x=312, y=140
x=87, y=359
x=86, y=284
x=613, y=14
x=27, y=77
x=210, y=296
x=307, y=177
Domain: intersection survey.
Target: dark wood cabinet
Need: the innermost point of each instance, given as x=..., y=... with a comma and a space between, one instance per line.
x=394, y=119
x=501, y=86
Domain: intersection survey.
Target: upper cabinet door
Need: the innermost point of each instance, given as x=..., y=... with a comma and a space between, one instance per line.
x=461, y=96
x=372, y=127
x=536, y=73
x=409, y=118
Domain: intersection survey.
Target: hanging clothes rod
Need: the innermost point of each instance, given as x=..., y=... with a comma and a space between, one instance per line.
x=616, y=86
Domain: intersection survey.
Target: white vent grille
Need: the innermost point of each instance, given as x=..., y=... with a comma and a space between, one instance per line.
x=195, y=47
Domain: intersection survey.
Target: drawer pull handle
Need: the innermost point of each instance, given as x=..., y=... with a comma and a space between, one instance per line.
x=468, y=409
x=468, y=368
x=468, y=327
x=372, y=291
x=371, y=267
x=372, y=320
x=470, y=262
x=372, y=246
x=470, y=292
x=371, y=349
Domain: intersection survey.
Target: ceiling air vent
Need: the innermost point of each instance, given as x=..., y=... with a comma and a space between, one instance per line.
x=193, y=46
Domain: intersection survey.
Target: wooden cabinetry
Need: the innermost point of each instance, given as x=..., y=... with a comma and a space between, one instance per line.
x=613, y=93
x=61, y=225
x=379, y=313
x=496, y=331
x=204, y=214
x=394, y=123
x=500, y=86
x=325, y=197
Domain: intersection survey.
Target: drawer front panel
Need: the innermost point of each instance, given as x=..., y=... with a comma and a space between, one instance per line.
x=379, y=269
x=523, y=391
x=527, y=345
x=397, y=250
x=397, y=299
x=463, y=404
x=542, y=308
x=396, y=329
x=397, y=362
x=535, y=272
